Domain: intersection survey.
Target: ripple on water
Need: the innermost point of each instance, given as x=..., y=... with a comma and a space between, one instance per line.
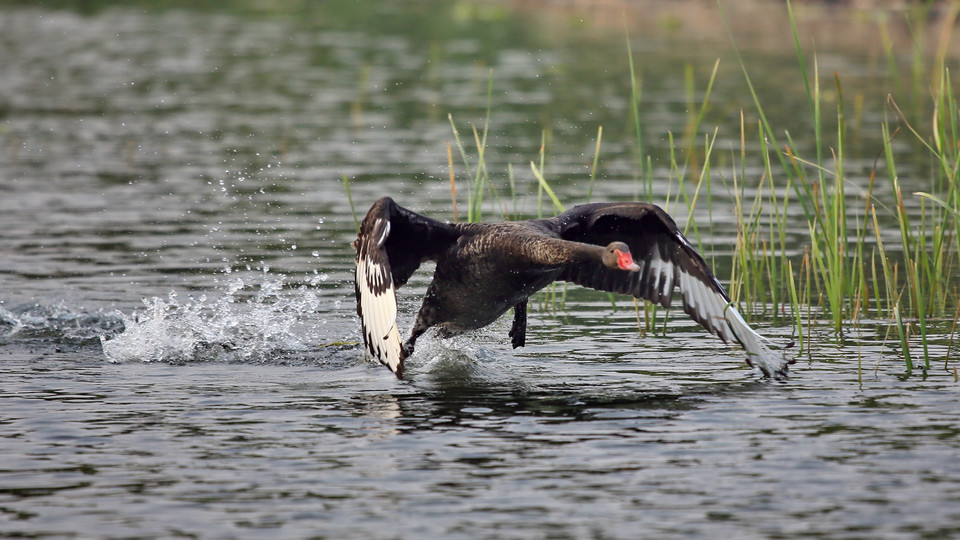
x=144, y=151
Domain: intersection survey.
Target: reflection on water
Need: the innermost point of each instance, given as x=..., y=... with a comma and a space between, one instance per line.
x=178, y=348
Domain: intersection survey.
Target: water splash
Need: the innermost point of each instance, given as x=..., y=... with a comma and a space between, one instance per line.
x=58, y=323
x=249, y=321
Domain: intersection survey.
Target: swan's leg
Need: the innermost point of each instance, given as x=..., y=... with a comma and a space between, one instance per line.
x=425, y=319
x=518, y=332
x=407, y=349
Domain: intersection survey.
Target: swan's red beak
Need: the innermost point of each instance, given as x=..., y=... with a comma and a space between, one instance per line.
x=625, y=261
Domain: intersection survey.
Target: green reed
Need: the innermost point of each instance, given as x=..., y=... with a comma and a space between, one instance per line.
x=846, y=276
x=353, y=211
x=480, y=175
x=762, y=275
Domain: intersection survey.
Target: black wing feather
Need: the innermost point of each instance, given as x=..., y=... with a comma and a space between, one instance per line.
x=412, y=238
x=658, y=247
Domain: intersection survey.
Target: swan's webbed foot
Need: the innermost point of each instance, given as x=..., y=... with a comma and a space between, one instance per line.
x=406, y=350
x=518, y=332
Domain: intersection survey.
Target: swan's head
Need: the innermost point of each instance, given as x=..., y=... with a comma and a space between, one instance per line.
x=617, y=255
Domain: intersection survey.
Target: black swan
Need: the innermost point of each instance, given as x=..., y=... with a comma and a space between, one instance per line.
x=484, y=269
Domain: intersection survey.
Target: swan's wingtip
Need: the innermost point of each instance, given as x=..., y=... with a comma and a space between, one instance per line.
x=768, y=356
x=774, y=364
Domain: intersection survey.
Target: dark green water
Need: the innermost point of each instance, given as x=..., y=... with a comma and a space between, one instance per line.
x=177, y=324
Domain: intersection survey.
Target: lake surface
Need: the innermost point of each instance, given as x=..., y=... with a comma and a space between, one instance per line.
x=178, y=338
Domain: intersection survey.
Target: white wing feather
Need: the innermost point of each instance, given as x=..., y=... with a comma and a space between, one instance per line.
x=729, y=324
x=378, y=310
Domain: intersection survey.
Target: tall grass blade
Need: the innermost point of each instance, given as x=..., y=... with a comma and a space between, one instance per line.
x=353, y=212
x=596, y=159
x=537, y=173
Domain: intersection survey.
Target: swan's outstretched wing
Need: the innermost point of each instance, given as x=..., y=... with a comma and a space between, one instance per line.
x=392, y=243
x=667, y=261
